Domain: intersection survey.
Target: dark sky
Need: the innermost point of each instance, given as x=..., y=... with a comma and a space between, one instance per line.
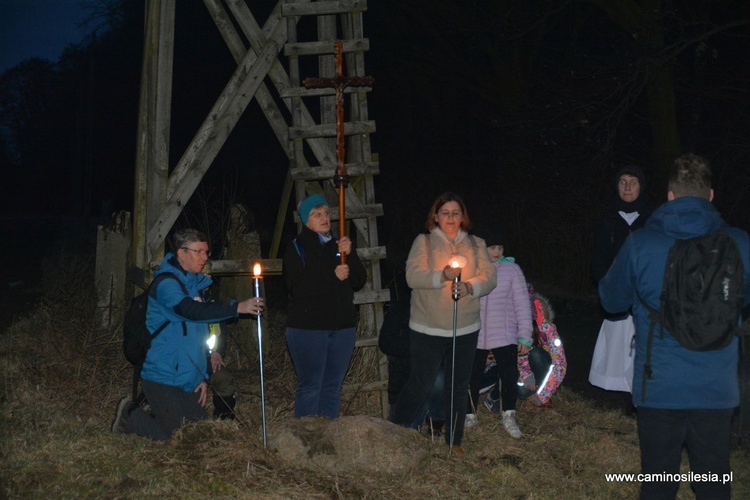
x=37, y=28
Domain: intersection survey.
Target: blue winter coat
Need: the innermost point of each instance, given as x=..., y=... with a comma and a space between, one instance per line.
x=178, y=355
x=681, y=379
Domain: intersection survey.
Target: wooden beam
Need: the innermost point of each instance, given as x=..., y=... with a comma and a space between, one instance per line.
x=371, y=296
x=211, y=136
x=324, y=172
x=152, y=150
x=273, y=267
x=322, y=8
x=329, y=130
x=357, y=211
x=324, y=47
x=305, y=92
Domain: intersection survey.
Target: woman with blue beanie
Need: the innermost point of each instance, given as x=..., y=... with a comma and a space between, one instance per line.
x=321, y=317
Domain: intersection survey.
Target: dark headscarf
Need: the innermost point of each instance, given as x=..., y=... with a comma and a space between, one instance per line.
x=639, y=205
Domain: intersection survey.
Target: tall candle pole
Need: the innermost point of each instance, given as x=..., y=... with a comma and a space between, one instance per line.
x=454, y=421
x=259, y=291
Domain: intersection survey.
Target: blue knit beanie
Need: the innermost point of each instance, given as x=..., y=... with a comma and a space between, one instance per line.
x=308, y=204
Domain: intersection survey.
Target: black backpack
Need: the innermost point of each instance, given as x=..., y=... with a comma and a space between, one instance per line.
x=702, y=295
x=136, y=338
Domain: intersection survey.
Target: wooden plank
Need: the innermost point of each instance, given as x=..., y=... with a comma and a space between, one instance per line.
x=318, y=92
x=322, y=8
x=372, y=253
x=372, y=296
x=366, y=341
x=271, y=267
x=353, y=212
x=329, y=130
x=324, y=47
x=320, y=173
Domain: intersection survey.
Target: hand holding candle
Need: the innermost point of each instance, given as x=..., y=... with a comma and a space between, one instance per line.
x=254, y=305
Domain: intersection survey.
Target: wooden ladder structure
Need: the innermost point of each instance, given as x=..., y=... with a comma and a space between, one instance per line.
x=309, y=140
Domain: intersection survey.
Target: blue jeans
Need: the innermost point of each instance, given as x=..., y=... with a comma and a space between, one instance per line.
x=705, y=433
x=321, y=359
x=427, y=354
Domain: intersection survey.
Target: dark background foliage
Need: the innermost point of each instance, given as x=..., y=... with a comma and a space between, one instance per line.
x=524, y=108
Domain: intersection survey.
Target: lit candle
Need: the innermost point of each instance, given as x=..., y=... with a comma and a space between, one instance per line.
x=257, y=281
x=258, y=291
x=456, y=262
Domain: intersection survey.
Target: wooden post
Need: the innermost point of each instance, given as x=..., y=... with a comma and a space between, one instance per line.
x=152, y=156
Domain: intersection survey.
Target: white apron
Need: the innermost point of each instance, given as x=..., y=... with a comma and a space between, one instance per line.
x=614, y=354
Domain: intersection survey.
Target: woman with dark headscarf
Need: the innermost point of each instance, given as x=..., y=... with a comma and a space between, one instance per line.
x=612, y=364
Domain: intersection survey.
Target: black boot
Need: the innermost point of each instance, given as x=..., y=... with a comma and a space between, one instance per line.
x=224, y=407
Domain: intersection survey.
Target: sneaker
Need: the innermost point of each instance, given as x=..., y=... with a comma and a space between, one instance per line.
x=509, y=422
x=122, y=417
x=492, y=404
x=471, y=421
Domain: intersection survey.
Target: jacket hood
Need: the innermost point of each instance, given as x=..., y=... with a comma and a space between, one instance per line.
x=543, y=308
x=170, y=264
x=686, y=217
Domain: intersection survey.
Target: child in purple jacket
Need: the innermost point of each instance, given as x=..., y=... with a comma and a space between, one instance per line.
x=506, y=332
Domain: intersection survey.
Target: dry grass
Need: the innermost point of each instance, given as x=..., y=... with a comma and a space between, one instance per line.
x=62, y=378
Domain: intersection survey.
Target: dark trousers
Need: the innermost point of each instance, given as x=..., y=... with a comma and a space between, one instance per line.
x=705, y=433
x=321, y=359
x=506, y=358
x=427, y=353
x=171, y=407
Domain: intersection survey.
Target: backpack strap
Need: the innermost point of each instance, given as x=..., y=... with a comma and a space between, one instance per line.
x=153, y=284
x=654, y=316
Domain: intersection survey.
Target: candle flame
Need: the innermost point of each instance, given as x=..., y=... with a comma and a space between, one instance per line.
x=455, y=264
x=256, y=269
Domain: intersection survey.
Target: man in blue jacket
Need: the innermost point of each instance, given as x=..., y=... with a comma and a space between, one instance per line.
x=691, y=395
x=175, y=373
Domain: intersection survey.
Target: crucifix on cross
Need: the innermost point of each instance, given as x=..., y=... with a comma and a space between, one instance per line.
x=339, y=83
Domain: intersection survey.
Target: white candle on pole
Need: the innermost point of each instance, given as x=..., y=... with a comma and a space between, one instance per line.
x=259, y=292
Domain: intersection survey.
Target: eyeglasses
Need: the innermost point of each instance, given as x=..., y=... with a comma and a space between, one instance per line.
x=202, y=253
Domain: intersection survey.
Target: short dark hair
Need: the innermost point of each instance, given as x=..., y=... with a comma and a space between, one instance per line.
x=690, y=175
x=442, y=200
x=182, y=237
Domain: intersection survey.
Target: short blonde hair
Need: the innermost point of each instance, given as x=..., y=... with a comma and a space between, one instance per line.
x=690, y=175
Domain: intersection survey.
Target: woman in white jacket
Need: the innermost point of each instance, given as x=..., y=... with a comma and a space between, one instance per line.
x=430, y=274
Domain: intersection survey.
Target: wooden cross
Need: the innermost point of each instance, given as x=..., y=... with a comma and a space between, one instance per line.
x=340, y=82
